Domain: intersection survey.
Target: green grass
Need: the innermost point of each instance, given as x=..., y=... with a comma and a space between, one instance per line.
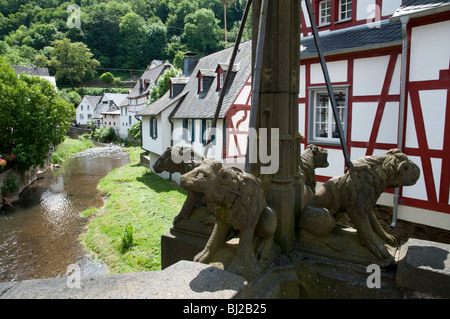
x=69, y=147
x=140, y=205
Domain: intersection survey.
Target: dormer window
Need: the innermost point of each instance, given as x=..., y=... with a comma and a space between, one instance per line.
x=200, y=82
x=171, y=88
x=220, y=77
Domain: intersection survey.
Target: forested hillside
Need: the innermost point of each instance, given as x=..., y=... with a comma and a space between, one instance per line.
x=114, y=34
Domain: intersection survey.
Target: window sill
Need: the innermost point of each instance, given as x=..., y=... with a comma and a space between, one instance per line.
x=343, y=21
x=326, y=142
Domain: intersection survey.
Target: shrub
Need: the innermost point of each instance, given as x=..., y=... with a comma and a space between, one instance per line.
x=107, y=78
x=105, y=134
x=10, y=185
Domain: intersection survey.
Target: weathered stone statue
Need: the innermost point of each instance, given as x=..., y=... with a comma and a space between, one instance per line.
x=313, y=157
x=356, y=193
x=238, y=202
x=179, y=159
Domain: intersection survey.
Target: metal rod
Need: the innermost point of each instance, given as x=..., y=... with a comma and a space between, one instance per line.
x=256, y=77
x=228, y=76
x=328, y=82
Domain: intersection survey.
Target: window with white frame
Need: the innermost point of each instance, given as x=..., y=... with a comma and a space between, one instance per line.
x=324, y=12
x=188, y=130
x=345, y=10
x=206, y=130
x=322, y=126
x=153, y=127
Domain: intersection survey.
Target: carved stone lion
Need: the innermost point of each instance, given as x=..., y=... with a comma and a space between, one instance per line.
x=313, y=157
x=179, y=159
x=238, y=202
x=356, y=193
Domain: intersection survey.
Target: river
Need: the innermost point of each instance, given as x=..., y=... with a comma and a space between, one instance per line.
x=39, y=236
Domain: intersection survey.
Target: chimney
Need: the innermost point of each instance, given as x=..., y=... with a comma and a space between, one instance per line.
x=190, y=62
x=141, y=86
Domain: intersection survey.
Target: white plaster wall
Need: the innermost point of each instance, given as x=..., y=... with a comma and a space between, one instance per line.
x=364, y=9
x=369, y=74
x=390, y=6
x=337, y=71
x=389, y=124
x=244, y=95
x=429, y=51
x=337, y=164
x=433, y=109
x=302, y=90
x=410, y=132
x=362, y=120
x=417, y=191
x=395, y=83
x=301, y=118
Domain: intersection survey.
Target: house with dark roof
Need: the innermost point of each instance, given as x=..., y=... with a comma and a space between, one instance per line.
x=35, y=71
x=184, y=115
x=107, y=111
x=139, y=95
x=389, y=62
x=85, y=110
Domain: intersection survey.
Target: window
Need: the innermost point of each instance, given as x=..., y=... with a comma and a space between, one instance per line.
x=345, y=10
x=324, y=12
x=322, y=126
x=206, y=130
x=89, y=116
x=81, y=117
x=88, y=107
x=81, y=106
x=188, y=130
x=129, y=120
x=200, y=84
x=153, y=127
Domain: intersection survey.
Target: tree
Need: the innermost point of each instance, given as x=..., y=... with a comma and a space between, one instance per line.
x=225, y=3
x=162, y=86
x=73, y=62
x=34, y=118
x=202, y=31
x=133, y=34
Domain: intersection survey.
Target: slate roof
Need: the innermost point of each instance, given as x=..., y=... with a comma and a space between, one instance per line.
x=93, y=99
x=31, y=70
x=421, y=6
x=357, y=38
x=203, y=105
x=150, y=75
x=192, y=104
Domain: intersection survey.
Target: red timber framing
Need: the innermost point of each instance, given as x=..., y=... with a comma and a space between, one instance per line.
x=335, y=24
x=438, y=199
x=381, y=100
x=233, y=126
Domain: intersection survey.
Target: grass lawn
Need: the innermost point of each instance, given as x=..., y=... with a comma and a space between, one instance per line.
x=69, y=147
x=136, y=197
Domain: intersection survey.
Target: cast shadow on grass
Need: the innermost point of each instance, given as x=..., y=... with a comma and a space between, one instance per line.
x=159, y=184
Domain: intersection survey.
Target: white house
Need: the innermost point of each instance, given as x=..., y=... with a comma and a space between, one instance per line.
x=41, y=72
x=389, y=67
x=85, y=110
x=183, y=116
x=138, y=96
x=107, y=111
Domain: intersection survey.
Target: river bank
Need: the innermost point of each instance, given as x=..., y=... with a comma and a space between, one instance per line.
x=139, y=206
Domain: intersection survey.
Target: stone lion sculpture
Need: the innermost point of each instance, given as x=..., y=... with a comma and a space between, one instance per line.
x=238, y=202
x=313, y=157
x=356, y=193
x=179, y=159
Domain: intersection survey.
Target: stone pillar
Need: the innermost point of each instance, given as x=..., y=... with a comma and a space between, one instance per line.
x=278, y=108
